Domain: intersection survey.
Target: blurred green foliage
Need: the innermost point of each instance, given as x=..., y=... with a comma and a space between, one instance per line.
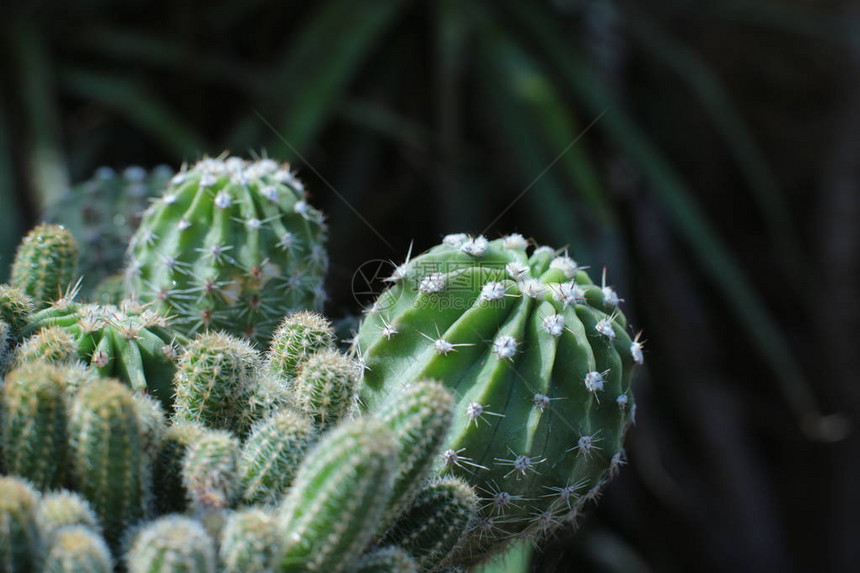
x=704, y=152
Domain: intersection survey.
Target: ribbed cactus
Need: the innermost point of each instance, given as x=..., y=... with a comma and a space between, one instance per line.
x=60, y=509
x=19, y=535
x=52, y=344
x=16, y=306
x=326, y=388
x=339, y=496
x=297, y=337
x=272, y=454
x=209, y=470
x=541, y=363
x=436, y=522
x=45, y=265
x=172, y=544
x=231, y=245
x=109, y=465
x=102, y=214
x=34, y=424
x=76, y=549
x=128, y=342
x=170, y=493
x=250, y=542
x=215, y=380
x=385, y=560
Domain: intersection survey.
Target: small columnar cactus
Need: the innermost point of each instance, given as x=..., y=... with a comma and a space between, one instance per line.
x=128, y=342
x=172, y=544
x=385, y=560
x=438, y=519
x=103, y=212
x=214, y=381
x=19, y=534
x=34, y=424
x=59, y=509
x=272, y=454
x=52, y=344
x=109, y=465
x=15, y=308
x=299, y=336
x=46, y=263
x=231, y=245
x=250, y=542
x=338, y=499
x=77, y=549
x=209, y=470
x=326, y=388
x=170, y=493
x=541, y=363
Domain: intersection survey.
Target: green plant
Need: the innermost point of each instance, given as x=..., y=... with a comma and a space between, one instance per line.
x=19, y=535
x=60, y=509
x=326, y=388
x=250, y=541
x=231, y=245
x=541, y=363
x=172, y=544
x=77, y=549
x=46, y=263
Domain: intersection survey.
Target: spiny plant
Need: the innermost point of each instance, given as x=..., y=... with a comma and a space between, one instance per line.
x=16, y=306
x=62, y=508
x=19, y=534
x=297, y=337
x=249, y=542
x=231, y=245
x=540, y=361
x=102, y=213
x=128, y=342
x=172, y=544
x=77, y=549
x=46, y=263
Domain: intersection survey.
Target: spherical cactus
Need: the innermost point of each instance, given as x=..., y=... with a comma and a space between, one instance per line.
x=76, y=549
x=298, y=337
x=271, y=455
x=128, y=342
x=34, y=424
x=109, y=465
x=326, y=388
x=19, y=534
x=172, y=544
x=250, y=542
x=436, y=522
x=102, y=214
x=385, y=560
x=540, y=361
x=215, y=379
x=15, y=308
x=339, y=496
x=45, y=265
x=231, y=245
x=60, y=509
x=209, y=470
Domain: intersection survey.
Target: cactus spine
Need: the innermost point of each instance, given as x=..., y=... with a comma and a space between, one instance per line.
x=19, y=535
x=231, y=245
x=339, y=496
x=172, y=544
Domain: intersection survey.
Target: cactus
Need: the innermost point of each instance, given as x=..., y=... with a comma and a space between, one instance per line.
x=172, y=544
x=77, y=549
x=19, y=534
x=385, y=560
x=60, y=509
x=326, y=388
x=419, y=416
x=338, y=498
x=231, y=245
x=7, y=342
x=438, y=519
x=209, y=470
x=250, y=542
x=131, y=343
x=298, y=337
x=271, y=456
x=102, y=214
x=171, y=495
x=153, y=426
x=541, y=363
x=108, y=462
x=15, y=308
x=52, y=344
x=215, y=380
x=34, y=424
x=45, y=265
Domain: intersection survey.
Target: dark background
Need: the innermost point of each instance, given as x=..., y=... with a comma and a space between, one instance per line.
x=715, y=172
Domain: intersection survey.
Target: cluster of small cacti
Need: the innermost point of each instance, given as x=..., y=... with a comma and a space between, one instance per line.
x=486, y=398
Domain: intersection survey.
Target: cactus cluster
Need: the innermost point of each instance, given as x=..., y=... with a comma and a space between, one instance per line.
x=231, y=245
x=486, y=398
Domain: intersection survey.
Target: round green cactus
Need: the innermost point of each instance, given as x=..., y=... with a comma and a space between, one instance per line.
x=19, y=534
x=172, y=544
x=46, y=263
x=250, y=542
x=128, y=342
x=539, y=359
x=231, y=245
x=103, y=212
x=76, y=549
x=60, y=509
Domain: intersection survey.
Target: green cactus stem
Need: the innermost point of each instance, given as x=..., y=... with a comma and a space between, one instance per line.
x=19, y=534
x=15, y=308
x=60, y=509
x=209, y=470
x=52, y=344
x=76, y=549
x=539, y=359
x=339, y=496
x=326, y=388
x=385, y=560
x=172, y=544
x=231, y=245
x=250, y=542
x=170, y=493
x=46, y=263
x=299, y=336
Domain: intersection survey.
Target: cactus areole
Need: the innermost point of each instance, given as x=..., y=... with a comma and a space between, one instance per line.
x=231, y=245
x=539, y=360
